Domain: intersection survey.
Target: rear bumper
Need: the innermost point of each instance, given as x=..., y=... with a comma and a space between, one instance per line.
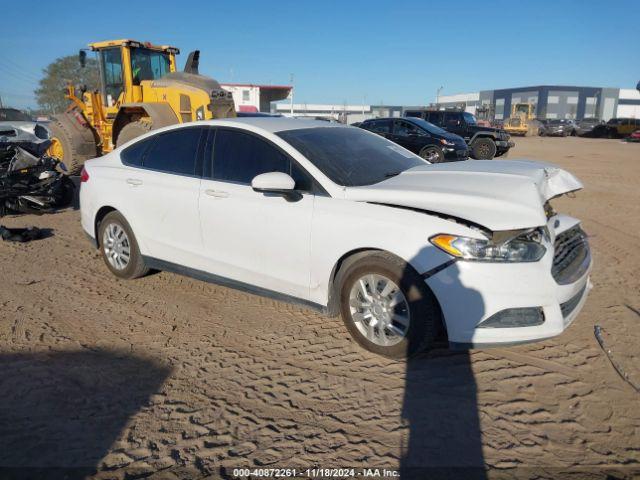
x=472, y=292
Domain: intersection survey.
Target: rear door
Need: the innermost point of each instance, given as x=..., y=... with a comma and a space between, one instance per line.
x=165, y=189
x=255, y=238
x=384, y=128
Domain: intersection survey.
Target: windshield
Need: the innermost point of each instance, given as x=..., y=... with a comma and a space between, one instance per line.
x=469, y=118
x=11, y=114
x=148, y=64
x=429, y=127
x=351, y=156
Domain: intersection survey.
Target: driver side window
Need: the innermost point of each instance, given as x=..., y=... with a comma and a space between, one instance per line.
x=239, y=157
x=404, y=129
x=112, y=72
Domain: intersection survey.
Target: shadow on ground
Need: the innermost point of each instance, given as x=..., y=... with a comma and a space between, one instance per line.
x=60, y=412
x=440, y=405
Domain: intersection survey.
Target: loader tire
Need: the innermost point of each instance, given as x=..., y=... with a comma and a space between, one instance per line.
x=133, y=130
x=72, y=142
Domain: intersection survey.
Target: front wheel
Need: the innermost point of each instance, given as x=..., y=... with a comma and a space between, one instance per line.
x=432, y=154
x=483, y=149
x=119, y=247
x=386, y=306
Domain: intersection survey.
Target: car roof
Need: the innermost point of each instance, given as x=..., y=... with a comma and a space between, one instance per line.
x=273, y=124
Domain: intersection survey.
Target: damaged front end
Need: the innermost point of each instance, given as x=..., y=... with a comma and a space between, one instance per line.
x=30, y=180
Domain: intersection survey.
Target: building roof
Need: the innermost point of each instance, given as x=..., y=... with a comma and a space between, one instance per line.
x=263, y=87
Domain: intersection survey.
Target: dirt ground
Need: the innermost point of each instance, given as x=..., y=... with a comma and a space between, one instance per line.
x=166, y=374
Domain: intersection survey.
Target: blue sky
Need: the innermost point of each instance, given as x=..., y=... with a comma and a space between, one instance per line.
x=396, y=52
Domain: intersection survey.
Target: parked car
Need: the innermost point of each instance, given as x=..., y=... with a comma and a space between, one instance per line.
x=343, y=220
x=617, y=128
x=485, y=142
x=634, y=137
x=420, y=137
x=586, y=126
x=555, y=128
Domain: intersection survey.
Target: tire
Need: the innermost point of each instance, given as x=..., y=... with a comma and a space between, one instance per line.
x=133, y=130
x=483, y=149
x=135, y=266
x=72, y=142
x=541, y=133
x=432, y=154
x=419, y=306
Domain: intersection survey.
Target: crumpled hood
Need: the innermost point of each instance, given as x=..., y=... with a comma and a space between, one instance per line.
x=497, y=194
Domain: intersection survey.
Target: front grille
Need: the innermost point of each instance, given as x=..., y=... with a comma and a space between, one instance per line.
x=572, y=257
x=570, y=305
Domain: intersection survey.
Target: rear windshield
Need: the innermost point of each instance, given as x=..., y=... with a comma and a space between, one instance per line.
x=351, y=156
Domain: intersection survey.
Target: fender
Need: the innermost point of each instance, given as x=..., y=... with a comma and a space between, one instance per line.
x=160, y=114
x=483, y=133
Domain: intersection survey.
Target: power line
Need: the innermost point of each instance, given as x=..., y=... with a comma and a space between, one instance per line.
x=19, y=68
x=18, y=76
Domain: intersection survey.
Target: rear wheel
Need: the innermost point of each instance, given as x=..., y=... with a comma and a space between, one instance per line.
x=483, y=149
x=133, y=130
x=387, y=307
x=432, y=154
x=119, y=247
x=72, y=142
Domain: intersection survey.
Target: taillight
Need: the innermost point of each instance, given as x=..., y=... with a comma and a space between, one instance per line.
x=84, y=175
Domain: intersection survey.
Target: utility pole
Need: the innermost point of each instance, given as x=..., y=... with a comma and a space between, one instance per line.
x=438, y=95
x=1, y=102
x=364, y=101
x=291, y=81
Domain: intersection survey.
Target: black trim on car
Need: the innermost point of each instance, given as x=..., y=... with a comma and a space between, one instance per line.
x=439, y=268
x=157, y=264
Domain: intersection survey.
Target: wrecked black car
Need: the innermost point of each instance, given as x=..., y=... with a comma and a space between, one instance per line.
x=30, y=180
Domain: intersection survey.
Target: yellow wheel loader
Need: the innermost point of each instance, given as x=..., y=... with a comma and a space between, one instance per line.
x=522, y=120
x=140, y=90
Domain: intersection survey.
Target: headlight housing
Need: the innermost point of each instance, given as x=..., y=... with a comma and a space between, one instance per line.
x=526, y=247
x=446, y=142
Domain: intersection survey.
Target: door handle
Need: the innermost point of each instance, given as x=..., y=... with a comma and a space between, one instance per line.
x=134, y=182
x=216, y=193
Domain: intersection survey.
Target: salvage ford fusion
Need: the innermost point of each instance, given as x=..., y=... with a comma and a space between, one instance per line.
x=343, y=220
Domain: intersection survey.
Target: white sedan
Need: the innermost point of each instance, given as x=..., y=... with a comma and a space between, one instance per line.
x=340, y=219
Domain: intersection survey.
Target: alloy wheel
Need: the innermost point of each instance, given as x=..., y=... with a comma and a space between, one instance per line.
x=116, y=246
x=379, y=310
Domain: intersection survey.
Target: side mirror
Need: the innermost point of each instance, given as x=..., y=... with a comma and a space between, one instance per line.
x=82, y=58
x=276, y=183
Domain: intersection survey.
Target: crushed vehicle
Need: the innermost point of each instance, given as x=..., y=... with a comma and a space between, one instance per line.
x=30, y=180
x=586, y=126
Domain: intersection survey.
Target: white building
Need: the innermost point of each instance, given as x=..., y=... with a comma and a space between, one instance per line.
x=256, y=98
x=628, y=103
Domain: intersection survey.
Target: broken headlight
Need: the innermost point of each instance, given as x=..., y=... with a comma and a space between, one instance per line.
x=526, y=247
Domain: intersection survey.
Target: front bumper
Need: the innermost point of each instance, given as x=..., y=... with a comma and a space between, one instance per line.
x=456, y=153
x=471, y=292
x=505, y=144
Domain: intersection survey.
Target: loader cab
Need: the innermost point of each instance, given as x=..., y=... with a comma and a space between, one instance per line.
x=125, y=64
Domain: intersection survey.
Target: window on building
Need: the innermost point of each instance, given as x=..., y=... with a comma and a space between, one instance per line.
x=572, y=100
x=553, y=99
x=174, y=151
x=245, y=95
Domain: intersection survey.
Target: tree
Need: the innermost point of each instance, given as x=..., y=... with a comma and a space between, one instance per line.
x=58, y=75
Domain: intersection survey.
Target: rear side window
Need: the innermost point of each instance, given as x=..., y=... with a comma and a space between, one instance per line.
x=434, y=117
x=239, y=157
x=134, y=154
x=174, y=151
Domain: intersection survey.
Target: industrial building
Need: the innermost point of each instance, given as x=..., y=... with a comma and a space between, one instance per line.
x=256, y=98
x=551, y=101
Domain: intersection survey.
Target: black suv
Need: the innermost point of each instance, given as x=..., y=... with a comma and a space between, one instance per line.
x=484, y=142
x=419, y=136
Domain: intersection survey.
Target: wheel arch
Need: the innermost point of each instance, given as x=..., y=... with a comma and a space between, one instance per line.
x=333, y=304
x=161, y=115
x=100, y=214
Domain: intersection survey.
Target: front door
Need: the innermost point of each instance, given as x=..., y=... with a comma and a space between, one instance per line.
x=255, y=238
